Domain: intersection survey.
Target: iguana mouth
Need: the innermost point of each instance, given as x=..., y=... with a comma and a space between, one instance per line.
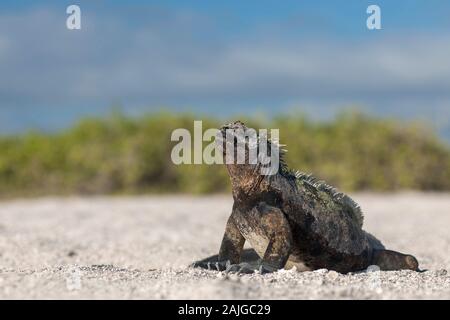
x=231, y=130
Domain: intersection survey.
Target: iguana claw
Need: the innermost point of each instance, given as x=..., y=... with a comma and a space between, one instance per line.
x=239, y=268
x=245, y=268
x=212, y=265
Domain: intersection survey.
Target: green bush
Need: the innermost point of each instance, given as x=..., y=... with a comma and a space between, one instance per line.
x=120, y=154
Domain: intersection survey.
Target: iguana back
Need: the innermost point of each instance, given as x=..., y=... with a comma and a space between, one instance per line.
x=336, y=217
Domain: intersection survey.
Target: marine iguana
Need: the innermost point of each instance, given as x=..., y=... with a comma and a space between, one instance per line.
x=292, y=219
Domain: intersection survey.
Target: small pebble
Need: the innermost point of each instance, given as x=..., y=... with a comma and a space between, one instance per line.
x=332, y=275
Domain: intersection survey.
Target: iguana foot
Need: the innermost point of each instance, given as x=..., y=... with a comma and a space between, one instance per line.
x=240, y=268
x=246, y=268
x=212, y=265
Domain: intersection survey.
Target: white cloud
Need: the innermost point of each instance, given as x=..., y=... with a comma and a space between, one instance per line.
x=175, y=59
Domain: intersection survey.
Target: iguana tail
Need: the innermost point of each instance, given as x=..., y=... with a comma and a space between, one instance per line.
x=392, y=260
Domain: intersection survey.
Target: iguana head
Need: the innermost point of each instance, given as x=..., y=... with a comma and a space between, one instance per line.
x=249, y=157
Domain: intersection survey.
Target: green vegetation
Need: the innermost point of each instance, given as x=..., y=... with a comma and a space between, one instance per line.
x=132, y=155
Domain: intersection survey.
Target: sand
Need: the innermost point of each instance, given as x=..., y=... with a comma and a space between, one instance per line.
x=140, y=248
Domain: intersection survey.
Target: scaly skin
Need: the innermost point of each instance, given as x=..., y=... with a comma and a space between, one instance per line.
x=291, y=219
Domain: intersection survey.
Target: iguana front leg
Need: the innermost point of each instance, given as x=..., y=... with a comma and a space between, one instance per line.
x=230, y=249
x=232, y=243
x=274, y=227
x=277, y=231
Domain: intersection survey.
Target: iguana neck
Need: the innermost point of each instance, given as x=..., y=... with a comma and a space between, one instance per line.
x=248, y=190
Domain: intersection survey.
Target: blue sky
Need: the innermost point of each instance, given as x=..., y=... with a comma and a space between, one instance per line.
x=224, y=58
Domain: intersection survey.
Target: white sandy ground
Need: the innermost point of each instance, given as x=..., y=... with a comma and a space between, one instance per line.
x=140, y=247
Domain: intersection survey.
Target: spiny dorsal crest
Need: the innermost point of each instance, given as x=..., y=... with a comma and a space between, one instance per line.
x=337, y=196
